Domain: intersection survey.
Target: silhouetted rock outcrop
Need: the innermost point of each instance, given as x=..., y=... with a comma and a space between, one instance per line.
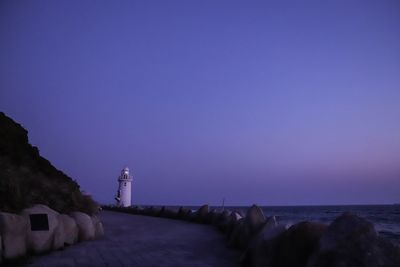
x=353, y=241
x=247, y=227
x=295, y=246
x=211, y=217
x=26, y=178
x=169, y=213
x=222, y=220
x=261, y=249
x=234, y=218
x=183, y=213
x=201, y=214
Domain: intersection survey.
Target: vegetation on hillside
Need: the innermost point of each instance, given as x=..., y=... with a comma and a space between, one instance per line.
x=26, y=178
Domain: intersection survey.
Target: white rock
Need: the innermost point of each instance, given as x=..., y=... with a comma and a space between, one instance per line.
x=42, y=240
x=13, y=229
x=235, y=216
x=98, y=227
x=70, y=229
x=85, y=225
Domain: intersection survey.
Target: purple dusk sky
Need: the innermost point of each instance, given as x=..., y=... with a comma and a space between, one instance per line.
x=268, y=102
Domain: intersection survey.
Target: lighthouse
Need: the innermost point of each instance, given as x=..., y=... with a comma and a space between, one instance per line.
x=123, y=197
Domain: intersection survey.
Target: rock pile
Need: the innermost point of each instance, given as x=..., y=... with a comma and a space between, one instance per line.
x=40, y=229
x=348, y=241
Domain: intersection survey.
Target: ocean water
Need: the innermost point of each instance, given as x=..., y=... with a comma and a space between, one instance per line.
x=386, y=218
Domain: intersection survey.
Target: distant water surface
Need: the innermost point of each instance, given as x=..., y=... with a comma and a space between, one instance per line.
x=386, y=218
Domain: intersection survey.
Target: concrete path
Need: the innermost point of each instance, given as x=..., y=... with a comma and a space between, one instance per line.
x=140, y=241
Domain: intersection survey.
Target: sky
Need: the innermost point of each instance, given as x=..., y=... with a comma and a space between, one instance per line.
x=266, y=102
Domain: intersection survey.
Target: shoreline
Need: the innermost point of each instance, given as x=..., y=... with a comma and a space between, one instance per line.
x=348, y=238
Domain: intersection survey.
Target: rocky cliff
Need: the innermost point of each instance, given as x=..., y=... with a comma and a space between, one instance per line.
x=26, y=178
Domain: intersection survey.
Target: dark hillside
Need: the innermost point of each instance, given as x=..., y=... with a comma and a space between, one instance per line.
x=26, y=178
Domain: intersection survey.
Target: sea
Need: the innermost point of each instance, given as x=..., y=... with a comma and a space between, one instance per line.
x=386, y=218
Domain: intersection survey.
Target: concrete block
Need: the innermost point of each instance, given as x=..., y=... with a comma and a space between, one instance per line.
x=13, y=229
x=98, y=227
x=40, y=234
x=85, y=226
x=70, y=229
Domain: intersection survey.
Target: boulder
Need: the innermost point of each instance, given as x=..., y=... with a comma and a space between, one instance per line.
x=98, y=227
x=190, y=216
x=85, y=226
x=241, y=213
x=235, y=235
x=271, y=229
x=295, y=246
x=160, y=212
x=255, y=218
x=352, y=241
x=13, y=229
x=262, y=247
x=168, y=213
x=70, y=229
x=59, y=236
x=42, y=223
x=154, y=211
x=200, y=216
x=247, y=228
x=211, y=217
x=234, y=217
x=203, y=211
x=222, y=221
x=216, y=217
x=182, y=213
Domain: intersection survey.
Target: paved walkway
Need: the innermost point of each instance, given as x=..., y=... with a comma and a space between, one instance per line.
x=141, y=241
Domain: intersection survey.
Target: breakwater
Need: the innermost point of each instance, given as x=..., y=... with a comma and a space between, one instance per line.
x=40, y=229
x=348, y=240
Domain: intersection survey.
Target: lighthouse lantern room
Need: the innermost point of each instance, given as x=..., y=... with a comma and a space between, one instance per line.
x=123, y=197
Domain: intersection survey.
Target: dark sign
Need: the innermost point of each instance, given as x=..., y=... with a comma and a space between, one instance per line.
x=39, y=222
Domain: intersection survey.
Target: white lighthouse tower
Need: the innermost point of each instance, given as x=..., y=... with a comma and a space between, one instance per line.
x=124, y=189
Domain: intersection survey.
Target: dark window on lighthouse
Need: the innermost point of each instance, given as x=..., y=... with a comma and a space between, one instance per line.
x=124, y=184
